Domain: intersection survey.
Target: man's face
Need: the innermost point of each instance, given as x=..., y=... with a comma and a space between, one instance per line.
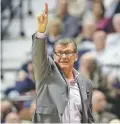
x=65, y=56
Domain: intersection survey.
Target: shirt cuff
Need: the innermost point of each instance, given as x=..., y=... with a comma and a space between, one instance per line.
x=41, y=35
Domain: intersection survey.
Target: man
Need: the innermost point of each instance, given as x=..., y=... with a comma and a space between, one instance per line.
x=99, y=40
x=88, y=67
x=63, y=95
x=99, y=105
x=70, y=23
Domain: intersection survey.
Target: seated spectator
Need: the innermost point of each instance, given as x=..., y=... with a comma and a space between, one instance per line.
x=88, y=29
x=111, y=85
x=110, y=58
x=28, y=83
x=54, y=30
x=77, y=7
x=99, y=104
x=114, y=38
x=12, y=117
x=97, y=14
x=99, y=40
x=71, y=26
x=25, y=82
x=88, y=67
x=84, y=40
x=5, y=107
x=24, y=86
x=113, y=93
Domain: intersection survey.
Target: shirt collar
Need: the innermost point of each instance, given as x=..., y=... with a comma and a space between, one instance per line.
x=73, y=81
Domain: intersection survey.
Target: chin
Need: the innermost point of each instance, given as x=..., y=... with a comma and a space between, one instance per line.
x=64, y=66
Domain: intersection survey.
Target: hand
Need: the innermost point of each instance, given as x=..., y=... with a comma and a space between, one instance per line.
x=42, y=20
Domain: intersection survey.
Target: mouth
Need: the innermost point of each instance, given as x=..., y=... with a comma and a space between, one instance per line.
x=64, y=62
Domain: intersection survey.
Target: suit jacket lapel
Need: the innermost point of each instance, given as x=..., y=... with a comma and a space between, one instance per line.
x=81, y=85
x=82, y=88
x=83, y=95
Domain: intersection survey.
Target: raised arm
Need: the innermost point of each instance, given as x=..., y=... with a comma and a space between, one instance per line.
x=42, y=20
x=39, y=53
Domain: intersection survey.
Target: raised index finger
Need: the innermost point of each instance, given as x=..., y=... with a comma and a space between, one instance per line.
x=46, y=8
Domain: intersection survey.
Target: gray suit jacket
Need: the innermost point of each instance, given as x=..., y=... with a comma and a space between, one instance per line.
x=52, y=90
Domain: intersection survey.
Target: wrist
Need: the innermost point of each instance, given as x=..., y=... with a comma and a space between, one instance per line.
x=41, y=35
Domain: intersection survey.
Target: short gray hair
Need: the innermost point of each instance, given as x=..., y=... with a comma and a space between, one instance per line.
x=66, y=41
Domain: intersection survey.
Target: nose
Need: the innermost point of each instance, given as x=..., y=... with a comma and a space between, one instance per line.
x=64, y=55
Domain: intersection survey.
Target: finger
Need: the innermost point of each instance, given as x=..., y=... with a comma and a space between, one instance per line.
x=40, y=19
x=45, y=18
x=46, y=8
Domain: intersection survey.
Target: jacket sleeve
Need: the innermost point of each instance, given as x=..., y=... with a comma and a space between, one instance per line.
x=90, y=116
x=40, y=60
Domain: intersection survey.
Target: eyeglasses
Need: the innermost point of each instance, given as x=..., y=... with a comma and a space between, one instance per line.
x=68, y=54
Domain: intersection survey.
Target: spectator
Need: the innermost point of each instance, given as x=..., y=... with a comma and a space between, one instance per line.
x=112, y=54
x=71, y=26
x=25, y=82
x=84, y=39
x=114, y=38
x=99, y=104
x=25, y=86
x=88, y=67
x=111, y=85
x=99, y=39
x=26, y=113
x=77, y=7
x=12, y=118
x=6, y=107
x=88, y=29
x=114, y=95
x=28, y=83
x=55, y=29
x=97, y=14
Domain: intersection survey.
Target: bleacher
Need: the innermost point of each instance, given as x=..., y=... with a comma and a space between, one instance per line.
x=16, y=47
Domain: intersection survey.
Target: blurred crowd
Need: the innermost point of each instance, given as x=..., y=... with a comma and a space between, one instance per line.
x=95, y=27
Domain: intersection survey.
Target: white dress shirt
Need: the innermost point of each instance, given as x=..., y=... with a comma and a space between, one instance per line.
x=72, y=113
